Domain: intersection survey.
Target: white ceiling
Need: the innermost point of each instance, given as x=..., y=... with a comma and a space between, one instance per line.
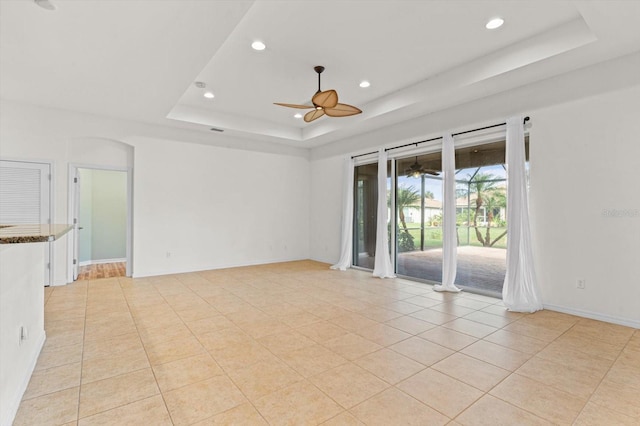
x=139, y=59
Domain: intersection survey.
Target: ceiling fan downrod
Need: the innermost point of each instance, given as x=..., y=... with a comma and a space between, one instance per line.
x=318, y=69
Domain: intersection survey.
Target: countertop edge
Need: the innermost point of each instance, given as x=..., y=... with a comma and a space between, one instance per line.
x=20, y=234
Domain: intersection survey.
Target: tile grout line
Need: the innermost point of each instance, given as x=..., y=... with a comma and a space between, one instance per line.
x=84, y=331
x=604, y=376
x=117, y=375
x=145, y=349
x=541, y=383
x=221, y=367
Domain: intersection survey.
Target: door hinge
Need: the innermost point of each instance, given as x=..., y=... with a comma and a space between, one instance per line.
x=75, y=261
x=49, y=176
x=48, y=265
x=75, y=220
x=75, y=180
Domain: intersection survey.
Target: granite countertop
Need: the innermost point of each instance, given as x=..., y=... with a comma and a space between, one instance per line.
x=32, y=233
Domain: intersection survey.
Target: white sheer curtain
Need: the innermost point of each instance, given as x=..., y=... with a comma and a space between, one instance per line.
x=520, y=291
x=449, y=240
x=346, y=242
x=382, y=267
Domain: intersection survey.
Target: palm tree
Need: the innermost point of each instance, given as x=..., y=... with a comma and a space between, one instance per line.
x=494, y=200
x=406, y=197
x=490, y=196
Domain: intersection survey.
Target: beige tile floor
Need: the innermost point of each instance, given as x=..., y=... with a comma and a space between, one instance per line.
x=298, y=344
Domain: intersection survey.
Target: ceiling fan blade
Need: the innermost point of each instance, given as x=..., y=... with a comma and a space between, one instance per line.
x=326, y=99
x=313, y=115
x=342, y=110
x=432, y=172
x=294, y=105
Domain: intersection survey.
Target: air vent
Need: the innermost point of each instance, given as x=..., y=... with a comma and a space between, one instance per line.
x=215, y=129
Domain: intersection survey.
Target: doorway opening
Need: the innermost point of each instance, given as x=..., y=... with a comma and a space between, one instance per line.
x=102, y=222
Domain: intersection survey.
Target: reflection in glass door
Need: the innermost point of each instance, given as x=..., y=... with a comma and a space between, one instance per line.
x=419, y=217
x=365, y=215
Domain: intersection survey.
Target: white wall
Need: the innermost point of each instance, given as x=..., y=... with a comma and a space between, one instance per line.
x=182, y=191
x=109, y=214
x=103, y=215
x=85, y=210
x=200, y=207
x=327, y=188
x=585, y=158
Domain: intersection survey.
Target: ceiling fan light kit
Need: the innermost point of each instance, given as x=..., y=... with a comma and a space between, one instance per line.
x=416, y=170
x=324, y=103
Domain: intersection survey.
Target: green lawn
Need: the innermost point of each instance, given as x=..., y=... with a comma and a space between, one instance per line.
x=433, y=236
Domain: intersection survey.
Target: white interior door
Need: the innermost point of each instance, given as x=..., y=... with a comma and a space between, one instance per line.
x=25, y=198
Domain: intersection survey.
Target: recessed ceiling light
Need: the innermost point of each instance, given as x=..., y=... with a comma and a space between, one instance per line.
x=258, y=45
x=494, y=23
x=298, y=115
x=45, y=4
x=365, y=83
x=200, y=84
x=209, y=95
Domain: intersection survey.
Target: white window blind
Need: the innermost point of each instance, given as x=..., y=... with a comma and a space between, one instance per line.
x=24, y=192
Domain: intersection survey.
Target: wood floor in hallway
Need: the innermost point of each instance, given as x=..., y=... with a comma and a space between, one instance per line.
x=102, y=270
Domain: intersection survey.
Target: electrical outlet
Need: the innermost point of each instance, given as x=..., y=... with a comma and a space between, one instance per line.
x=24, y=335
x=580, y=283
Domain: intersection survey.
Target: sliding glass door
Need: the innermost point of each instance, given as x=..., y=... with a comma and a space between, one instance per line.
x=365, y=215
x=481, y=206
x=481, y=213
x=419, y=217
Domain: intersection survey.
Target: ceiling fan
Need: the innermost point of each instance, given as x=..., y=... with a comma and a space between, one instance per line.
x=416, y=170
x=324, y=102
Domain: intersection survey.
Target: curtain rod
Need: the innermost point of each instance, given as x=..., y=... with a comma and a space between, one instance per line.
x=439, y=137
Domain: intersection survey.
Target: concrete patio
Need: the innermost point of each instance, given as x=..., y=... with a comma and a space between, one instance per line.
x=481, y=268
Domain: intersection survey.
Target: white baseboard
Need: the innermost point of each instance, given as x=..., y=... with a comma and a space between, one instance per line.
x=59, y=283
x=155, y=273
x=595, y=315
x=99, y=261
x=11, y=409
